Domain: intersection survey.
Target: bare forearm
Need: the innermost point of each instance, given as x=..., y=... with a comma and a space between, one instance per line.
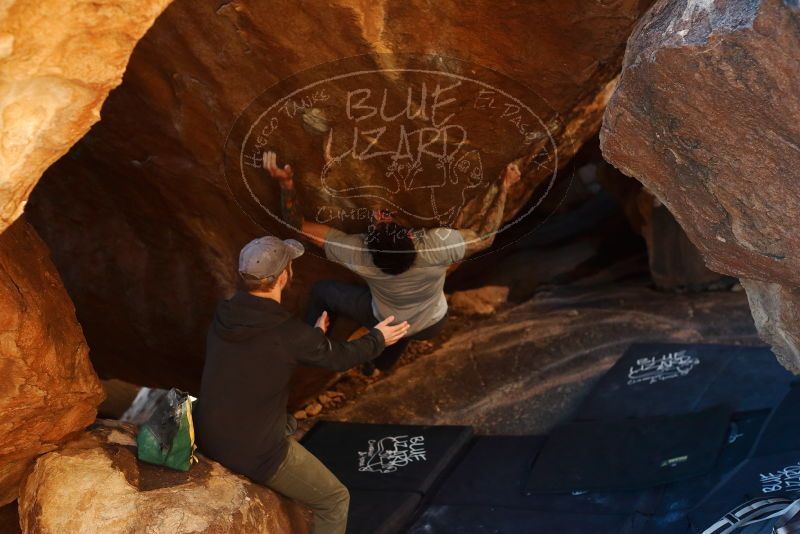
x=494, y=216
x=290, y=211
x=483, y=237
x=316, y=233
x=342, y=355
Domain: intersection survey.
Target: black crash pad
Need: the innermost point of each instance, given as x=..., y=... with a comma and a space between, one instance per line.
x=381, y=512
x=628, y=454
x=777, y=475
x=404, y=458
x=762, y=459
x=494, y=472
x=782, y=433
x=472, y=519
x=684, y=495
x=668, y=378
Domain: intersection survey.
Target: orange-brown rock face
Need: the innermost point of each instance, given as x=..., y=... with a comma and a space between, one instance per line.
x=144, y=226
x=98, y=475
x=58, y=61
x=706, y=115
x=48, y=389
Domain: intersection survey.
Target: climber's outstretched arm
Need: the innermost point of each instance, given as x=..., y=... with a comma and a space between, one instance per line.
x=482, y=237
x=316, y=232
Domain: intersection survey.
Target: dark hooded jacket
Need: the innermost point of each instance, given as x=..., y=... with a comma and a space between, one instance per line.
x=253, y=346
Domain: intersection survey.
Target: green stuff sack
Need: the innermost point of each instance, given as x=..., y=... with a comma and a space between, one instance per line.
x=167, y=438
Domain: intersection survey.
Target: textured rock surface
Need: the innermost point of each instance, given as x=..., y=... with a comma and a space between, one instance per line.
x=142, y=203
x=58, y=61
x=481, y=301
x=707, y=116
x=98, y=475
x=524, y=369
x=776, y=310
x=48, y=388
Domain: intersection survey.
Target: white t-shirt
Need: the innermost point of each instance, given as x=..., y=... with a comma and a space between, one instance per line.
x=416, y=295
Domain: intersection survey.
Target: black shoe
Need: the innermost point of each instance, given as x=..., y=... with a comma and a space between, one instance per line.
x=367, y=369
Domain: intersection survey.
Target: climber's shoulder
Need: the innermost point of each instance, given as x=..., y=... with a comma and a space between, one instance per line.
x=439, y=246
x=348, y=249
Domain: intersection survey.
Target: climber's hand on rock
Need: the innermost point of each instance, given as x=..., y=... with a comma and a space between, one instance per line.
x=284, y=175
x=394, y=333
x=323, y=322
x=511, y=175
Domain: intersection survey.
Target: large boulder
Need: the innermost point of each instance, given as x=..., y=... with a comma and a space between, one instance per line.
x=49, y=389
x=776, y=310
x=95, y=484
x=707, y=116
x=142, y=222
x=58, y=61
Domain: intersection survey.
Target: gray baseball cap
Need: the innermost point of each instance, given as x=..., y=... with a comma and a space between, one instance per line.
x=266, y=257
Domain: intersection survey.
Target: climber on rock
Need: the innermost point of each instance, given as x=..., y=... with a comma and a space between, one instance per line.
x=252, y=348
x=404, y=269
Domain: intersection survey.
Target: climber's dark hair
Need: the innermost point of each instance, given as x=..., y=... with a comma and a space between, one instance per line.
x=392, y=248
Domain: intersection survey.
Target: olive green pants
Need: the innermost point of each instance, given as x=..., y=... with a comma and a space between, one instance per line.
x=304, y=478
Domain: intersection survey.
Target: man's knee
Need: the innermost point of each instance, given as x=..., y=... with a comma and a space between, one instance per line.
x=341, y=499
x=337, y=503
